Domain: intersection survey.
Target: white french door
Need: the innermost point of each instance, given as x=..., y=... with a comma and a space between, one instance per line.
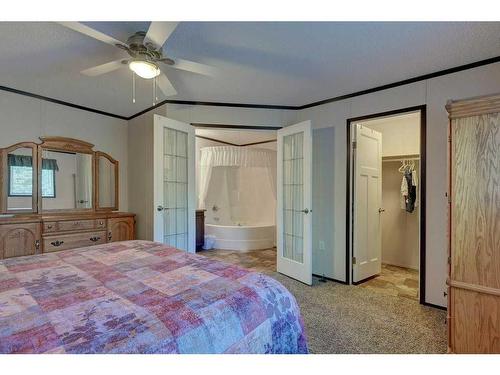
x=174, y=183
x=367, y=229
x=294, y=197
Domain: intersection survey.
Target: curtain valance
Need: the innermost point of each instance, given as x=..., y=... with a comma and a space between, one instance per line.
x=27, y=161
x=229, y=156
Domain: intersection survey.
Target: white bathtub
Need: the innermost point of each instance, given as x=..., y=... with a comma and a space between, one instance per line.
x=242, y=238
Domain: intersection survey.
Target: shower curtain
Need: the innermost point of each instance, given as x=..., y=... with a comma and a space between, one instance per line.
x=231, y=156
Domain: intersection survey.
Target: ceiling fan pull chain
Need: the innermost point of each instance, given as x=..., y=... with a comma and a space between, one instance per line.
x=156, y=89
x=133, y=87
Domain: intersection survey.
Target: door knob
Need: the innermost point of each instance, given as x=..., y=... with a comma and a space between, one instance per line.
x=380, y=210
x=306, y=210
x=160, y=208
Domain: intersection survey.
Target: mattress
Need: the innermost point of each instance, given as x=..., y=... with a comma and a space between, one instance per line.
x=142, y=297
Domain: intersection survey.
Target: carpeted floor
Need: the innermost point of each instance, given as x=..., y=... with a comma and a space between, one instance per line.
x=350, y=319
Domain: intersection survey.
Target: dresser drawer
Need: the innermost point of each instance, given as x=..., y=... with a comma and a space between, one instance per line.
x=71, y=225
x=71, y=241
x=50, y=226
x=100, y=224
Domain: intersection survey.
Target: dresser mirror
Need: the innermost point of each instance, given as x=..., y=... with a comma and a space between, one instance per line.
x=106, y=182
x=57, y=175
x=19, y=182
x=66, y=180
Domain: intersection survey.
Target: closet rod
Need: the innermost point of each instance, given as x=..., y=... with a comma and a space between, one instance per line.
x=401, y=157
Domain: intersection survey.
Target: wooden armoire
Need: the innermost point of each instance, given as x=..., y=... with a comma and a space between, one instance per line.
x=474, y=225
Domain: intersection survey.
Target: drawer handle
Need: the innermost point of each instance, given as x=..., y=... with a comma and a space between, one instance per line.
x=49, y=226
x=101, y=223
x=95, y=239
x=57, y=243
x=76, y=223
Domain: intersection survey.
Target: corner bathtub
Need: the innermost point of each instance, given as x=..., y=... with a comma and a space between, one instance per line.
x=242, y=237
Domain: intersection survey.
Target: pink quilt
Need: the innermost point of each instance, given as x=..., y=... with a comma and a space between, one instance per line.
x=142, y=297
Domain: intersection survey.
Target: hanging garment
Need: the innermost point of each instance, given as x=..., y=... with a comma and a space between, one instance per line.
x=414, y=180
x=412, y=192
x=404, y=193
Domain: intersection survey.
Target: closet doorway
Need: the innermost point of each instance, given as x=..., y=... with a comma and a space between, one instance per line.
x=386, y=200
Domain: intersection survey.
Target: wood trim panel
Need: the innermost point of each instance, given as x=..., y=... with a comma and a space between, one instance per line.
x=66, y=144
x=473, y=106
x=474, y=287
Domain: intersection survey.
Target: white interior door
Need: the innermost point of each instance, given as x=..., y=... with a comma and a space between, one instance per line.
x=367, y=229
x=174, y=183
x=294, y=197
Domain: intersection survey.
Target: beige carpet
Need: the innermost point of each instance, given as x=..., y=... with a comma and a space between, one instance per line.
x=351, y=319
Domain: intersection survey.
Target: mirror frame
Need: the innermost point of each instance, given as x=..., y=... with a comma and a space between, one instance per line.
x=4, y=188
x=68, y=145
x=115, y=163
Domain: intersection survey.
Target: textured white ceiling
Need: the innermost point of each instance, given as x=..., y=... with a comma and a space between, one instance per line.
x=280, y=63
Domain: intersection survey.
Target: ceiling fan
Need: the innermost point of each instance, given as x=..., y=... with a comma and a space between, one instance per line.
x=147, y=58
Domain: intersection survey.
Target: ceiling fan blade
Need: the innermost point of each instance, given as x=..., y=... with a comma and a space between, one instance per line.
x=103, y=68
x=194, y=67
x=84, y=29
x=159, y=32
x=165, y=85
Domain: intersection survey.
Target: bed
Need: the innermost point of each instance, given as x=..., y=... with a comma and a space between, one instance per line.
x=142, y=297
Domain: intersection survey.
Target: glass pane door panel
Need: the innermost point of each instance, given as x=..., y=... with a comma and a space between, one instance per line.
x=293, y=197
x=175, y=188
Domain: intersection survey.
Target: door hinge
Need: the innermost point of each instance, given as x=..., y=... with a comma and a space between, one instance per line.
x=354, y=145
x=449, y=260
x=353, y=260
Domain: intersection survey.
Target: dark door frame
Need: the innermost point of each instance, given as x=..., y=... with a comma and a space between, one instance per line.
x=423, y=153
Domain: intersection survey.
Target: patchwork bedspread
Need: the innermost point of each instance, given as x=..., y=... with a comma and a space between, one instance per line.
x=142, y=297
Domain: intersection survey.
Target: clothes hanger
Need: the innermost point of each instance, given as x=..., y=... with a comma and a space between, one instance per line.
x=401, y=168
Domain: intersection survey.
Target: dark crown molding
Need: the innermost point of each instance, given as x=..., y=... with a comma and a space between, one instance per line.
x=61, y=102
x=262, y=106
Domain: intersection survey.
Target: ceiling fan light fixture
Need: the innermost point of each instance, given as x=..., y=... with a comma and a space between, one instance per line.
x=144, y=69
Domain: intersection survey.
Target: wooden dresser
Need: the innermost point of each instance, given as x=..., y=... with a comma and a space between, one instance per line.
x=474, y=226
x=57, y=195
x=35, y=234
